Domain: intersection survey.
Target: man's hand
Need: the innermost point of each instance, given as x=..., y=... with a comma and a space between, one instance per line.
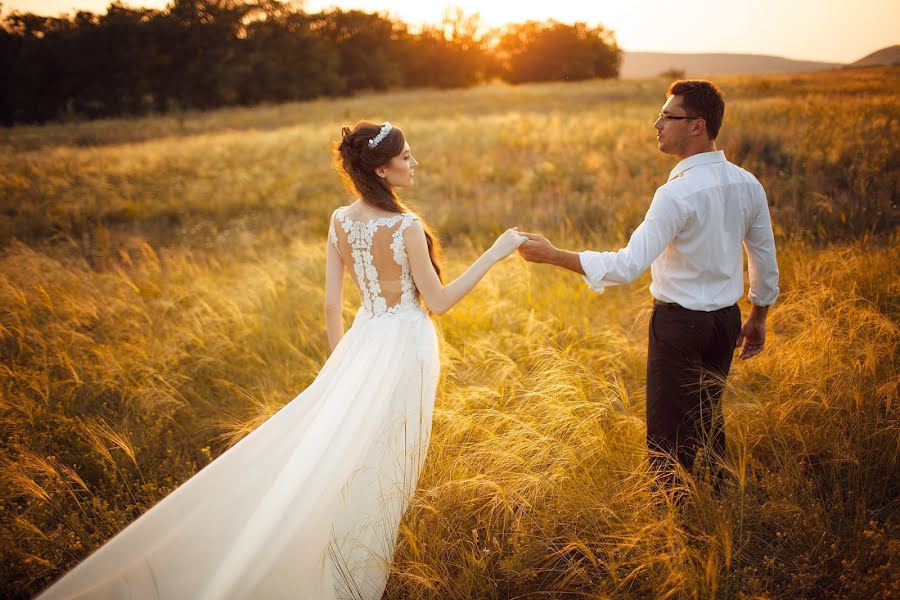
x=537, y=248
x=752, y=337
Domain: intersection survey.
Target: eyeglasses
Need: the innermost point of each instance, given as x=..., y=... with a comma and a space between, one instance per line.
x=667, y=118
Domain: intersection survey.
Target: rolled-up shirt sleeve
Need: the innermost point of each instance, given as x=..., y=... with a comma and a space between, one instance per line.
x=663, y=221
x=759, y=244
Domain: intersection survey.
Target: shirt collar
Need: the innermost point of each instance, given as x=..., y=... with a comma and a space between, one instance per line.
x=701, y=158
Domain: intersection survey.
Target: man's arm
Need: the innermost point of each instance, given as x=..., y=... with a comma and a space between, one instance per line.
x=538, y=249
x=759, y=244
x=661, y=224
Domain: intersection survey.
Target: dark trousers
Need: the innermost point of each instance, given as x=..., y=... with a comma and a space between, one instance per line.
x=688, y=359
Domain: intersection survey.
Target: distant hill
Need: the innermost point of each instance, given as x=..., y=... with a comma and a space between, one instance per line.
x=651, y=64
x=885, y=56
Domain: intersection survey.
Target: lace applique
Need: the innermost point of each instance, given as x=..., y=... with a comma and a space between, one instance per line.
x=359, y=236
x=407, y=287
x=331, y=235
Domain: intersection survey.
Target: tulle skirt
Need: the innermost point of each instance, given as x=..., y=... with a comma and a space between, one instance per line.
x=306, y=506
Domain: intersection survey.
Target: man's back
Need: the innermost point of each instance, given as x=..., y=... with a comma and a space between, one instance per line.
x=719, y=207
x=691, y=239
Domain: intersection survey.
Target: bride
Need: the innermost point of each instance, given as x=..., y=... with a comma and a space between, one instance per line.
x=308, y=505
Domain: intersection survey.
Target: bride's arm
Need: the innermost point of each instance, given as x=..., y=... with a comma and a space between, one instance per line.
x=334, y=293
x=441, y=298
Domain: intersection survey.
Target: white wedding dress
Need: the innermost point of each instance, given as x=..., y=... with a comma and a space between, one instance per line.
x=307, y=506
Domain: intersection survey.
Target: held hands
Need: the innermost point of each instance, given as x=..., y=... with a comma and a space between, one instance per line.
x=506, y=244
x=537, y=249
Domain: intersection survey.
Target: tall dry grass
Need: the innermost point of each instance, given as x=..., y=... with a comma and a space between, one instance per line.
x=161, y=290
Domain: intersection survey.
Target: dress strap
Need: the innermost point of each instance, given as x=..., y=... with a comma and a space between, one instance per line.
x=332, y=236
x=407, y=220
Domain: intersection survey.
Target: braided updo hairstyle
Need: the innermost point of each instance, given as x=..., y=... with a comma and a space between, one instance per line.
x=356, y=163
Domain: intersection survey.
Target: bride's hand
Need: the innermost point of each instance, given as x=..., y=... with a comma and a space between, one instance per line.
x=507, y=243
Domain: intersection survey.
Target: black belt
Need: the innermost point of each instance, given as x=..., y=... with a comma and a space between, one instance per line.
x=661, y=303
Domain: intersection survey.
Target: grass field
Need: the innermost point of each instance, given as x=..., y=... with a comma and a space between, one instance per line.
x=161, y=288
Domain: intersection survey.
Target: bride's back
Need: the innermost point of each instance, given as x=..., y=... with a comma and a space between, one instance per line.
x=371, y=244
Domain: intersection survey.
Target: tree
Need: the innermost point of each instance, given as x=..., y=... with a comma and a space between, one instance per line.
x=453, y=54
x=210, y=53
x=672, y=73
x=548, y=51
x=286, y=59
x=368, y=47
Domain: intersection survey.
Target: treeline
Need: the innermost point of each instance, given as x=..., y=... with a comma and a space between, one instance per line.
x=204, y=54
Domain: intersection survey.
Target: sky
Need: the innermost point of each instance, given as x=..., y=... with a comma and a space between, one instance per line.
x=825, y=30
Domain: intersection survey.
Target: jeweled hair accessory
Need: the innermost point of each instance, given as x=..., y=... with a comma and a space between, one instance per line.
x=385, y=129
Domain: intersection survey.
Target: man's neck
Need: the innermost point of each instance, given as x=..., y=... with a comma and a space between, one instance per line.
x=711, y=147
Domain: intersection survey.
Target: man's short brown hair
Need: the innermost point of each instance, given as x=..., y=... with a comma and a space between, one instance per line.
x=701, y=98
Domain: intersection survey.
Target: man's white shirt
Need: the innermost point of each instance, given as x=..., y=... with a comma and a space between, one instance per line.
x=692, y=239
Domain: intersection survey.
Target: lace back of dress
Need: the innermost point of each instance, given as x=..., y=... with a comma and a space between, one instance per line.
x=375, y=254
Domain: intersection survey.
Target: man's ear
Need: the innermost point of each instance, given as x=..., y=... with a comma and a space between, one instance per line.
x=699, y=129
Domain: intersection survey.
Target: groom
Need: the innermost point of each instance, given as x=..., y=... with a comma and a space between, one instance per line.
x=691, y=239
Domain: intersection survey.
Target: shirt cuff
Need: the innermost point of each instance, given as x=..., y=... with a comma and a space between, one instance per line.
x=594, y=269
x=767, y=300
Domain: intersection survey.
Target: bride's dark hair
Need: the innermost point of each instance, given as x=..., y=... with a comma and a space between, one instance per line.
x=357, y=164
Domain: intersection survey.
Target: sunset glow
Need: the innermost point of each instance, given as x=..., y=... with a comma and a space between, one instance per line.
x=805, y=29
